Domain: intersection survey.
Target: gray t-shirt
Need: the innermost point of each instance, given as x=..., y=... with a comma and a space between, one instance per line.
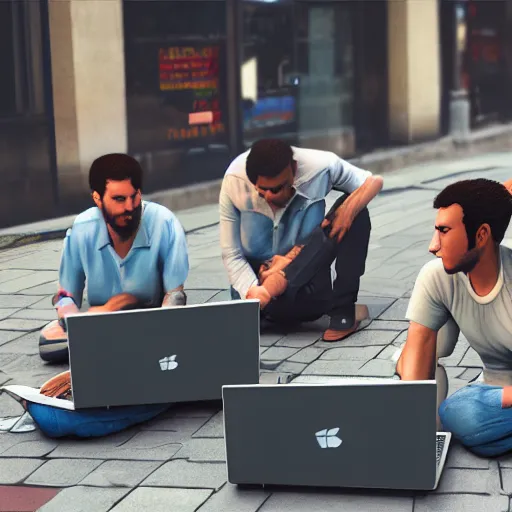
x=486, y=322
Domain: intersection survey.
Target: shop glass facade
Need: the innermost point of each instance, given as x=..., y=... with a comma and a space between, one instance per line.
x=311, y=72
x=176, y=64
x=477, y=57
x=297, y=73
x=27, y=167
x=485, y=65
x=315, y=73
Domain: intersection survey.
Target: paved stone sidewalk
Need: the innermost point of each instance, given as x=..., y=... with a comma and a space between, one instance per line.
x=177, y=461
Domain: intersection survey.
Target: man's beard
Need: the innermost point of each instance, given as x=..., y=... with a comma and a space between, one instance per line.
x=467, y=263
x=131, y=225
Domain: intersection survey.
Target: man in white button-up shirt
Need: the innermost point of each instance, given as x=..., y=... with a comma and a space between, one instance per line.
x=278, y=244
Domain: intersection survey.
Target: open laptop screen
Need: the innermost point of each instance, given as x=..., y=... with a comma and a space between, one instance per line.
x=353, y=435
x=163, y=355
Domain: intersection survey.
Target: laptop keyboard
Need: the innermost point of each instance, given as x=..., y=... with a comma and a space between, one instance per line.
x=440, y=440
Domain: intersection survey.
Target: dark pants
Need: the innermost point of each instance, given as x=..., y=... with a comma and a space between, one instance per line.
x=310, y=293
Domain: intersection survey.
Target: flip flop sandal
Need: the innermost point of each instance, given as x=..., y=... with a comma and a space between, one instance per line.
x=346, y=324
x=342, y=333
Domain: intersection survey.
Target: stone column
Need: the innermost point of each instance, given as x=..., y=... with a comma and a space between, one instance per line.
x=88, y=77
x=414, y=70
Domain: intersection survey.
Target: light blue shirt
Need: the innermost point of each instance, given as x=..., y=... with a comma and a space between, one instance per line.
x=249, y=229
x=157, y=261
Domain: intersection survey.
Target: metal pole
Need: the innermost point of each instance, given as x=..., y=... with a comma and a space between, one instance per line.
x=457, y=64
x=459, y=103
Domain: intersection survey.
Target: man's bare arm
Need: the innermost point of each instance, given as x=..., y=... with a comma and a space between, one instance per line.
x=176, y=297
x=116, y=303
x=352, y=206
x=362, y=196
x=418, y=358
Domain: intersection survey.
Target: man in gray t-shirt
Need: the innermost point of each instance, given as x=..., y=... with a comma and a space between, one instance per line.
x=468, y=288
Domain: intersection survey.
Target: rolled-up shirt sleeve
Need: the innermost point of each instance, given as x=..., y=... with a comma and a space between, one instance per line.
x=240, y=274
x=345, y=176
x=174, y=253
x=71, y=270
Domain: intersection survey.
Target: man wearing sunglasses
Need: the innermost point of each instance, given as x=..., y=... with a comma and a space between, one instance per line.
x=277, y=242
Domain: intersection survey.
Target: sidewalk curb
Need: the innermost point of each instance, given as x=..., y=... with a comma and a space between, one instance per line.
x=497, y=138
x=21, y=240
x=24, y=239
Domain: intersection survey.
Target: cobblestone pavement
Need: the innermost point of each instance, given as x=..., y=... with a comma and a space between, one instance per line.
x=142, y=468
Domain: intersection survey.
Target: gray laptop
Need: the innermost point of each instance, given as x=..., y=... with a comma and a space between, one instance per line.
x=151, y=356
x=352, y=434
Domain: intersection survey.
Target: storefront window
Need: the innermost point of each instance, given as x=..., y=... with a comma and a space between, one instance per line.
x=485, y=59
x=298, y=73
x=26, y=129
x=21, y=59
x=7, y=86
x=176, y=67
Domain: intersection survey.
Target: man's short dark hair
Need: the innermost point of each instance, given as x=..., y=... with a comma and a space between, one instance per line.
x=482, y=201
x=115, y=167
x=268, y=158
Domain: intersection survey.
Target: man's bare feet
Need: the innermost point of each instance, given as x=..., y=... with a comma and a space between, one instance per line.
x=53, y=343
x=54, y=332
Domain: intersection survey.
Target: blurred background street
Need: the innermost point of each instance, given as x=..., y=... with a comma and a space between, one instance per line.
x=384, y=83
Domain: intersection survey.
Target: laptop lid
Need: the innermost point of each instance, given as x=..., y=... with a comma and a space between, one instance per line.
x=163, y=355
x=346, y=435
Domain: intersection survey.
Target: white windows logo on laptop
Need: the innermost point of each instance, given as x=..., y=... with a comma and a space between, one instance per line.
x=168, y=363
x=327, y=438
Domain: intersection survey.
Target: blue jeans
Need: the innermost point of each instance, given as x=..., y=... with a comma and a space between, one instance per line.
x=56, y=422
x=475, y=417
